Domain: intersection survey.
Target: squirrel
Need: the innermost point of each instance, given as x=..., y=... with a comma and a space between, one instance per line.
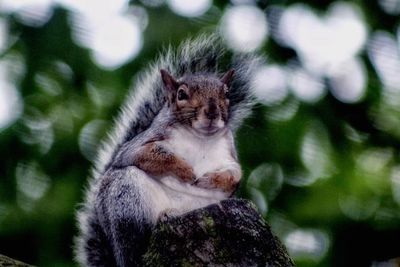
x=172, y=150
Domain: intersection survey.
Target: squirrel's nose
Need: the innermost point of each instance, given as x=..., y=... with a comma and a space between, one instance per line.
x=212, y=111
x=211, y=115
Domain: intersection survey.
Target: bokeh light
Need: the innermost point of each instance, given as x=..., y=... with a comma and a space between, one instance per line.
x=384, y=54
x=90, y=138
x=358, y=207
x=3, y=34
x=306, y=86
x=95, y=25
x=395, y=179
x=348, y=82
x=113, y=48
x=374, y=160
x=391, y=7
x=283, y=112
x=37, y=130
x=47, y=84
x=96, y=10
x=269, y=84
x=264, y=184
x=152, y=3
x=32, y=184
x=30, y=12
x=11, y=104
x=323, y=43
x=190, y=8
x=243, y=2
x=244, y=27
x=315, y=151
x=308, y=244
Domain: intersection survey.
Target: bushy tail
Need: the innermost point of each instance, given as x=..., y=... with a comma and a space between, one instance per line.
x=91, y=246
x=205, y=54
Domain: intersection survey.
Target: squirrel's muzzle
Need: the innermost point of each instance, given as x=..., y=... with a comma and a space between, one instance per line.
x=212, y=111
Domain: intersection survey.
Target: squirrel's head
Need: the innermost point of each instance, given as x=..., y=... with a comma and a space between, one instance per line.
x=199, y=101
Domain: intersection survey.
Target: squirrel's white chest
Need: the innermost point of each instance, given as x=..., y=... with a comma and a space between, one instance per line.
x=203, y=154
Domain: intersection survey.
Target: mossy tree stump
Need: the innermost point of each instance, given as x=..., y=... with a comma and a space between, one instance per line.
x=231, y=233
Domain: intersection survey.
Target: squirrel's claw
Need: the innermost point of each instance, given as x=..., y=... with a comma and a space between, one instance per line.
x=195, y=181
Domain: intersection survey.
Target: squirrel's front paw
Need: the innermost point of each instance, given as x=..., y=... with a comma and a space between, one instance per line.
x=223, y=180
x=204, y=182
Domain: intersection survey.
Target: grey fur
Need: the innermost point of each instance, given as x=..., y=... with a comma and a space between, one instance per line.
x=116, y=215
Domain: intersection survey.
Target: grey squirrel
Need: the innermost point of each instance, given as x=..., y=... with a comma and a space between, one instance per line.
x=172, y=150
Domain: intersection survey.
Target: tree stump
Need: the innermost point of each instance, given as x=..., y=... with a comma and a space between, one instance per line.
x=230, y=233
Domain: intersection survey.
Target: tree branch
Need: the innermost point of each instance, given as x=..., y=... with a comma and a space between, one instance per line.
x=6, y=261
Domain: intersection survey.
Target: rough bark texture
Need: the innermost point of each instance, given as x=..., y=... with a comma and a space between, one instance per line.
x=231, y=233
x=6, y=261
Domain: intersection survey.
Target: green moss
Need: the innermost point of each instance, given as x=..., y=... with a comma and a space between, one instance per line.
x=209, y=224
x=186, y=263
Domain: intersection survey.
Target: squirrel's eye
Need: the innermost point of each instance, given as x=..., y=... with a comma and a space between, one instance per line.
x=182, y=95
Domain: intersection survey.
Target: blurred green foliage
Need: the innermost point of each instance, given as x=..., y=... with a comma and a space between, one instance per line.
x=327, y=177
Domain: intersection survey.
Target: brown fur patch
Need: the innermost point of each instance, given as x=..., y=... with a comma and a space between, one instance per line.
x=158, y=161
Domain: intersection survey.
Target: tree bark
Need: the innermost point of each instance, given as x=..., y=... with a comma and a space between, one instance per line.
x=230, y=233
x=6, y=261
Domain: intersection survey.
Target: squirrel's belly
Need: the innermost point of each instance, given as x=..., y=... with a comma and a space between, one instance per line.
x=204, y=155
x=184, y=197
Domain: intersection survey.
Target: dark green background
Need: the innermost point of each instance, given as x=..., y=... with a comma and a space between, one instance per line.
x=40, y=231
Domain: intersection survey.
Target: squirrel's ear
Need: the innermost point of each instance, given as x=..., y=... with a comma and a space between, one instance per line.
x=227, y=78
x=169, y=82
